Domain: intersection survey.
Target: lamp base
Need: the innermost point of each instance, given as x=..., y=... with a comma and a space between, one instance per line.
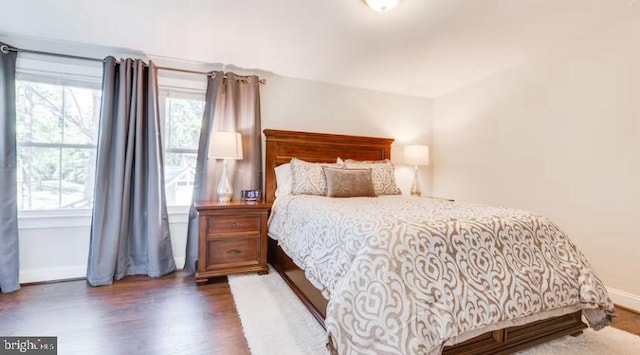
x=415, y=187
x=225, y=190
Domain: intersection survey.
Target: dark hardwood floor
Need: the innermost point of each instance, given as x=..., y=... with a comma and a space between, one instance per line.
x=627, y=320
x=139, y=315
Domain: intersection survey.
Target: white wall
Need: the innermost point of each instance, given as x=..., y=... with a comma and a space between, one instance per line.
x=55, y=246
x=560, y=135
x=303, y=105
x=53, y=251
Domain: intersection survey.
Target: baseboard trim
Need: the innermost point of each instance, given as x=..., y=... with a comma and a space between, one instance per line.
x=30, y=276
x=51, y=281
x=625, y=299
x=179, y=262
x=65, y=273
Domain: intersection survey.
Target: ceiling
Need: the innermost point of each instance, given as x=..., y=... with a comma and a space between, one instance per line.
x=423, y=47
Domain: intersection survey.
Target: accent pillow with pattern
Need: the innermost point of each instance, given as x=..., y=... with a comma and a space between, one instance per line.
x=382, y=171
x=308, y=178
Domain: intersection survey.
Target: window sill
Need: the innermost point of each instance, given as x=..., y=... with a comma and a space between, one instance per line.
x=53, y=219
x=178, y=214
x=45, y=219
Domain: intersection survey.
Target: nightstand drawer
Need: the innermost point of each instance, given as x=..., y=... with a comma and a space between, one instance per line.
x=221, y=225
x=222, y=252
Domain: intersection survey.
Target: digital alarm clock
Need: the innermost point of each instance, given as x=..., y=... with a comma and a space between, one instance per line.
x=250, y=195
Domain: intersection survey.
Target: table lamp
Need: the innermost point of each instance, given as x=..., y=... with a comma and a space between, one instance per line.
x=225, y=145
x=416, y=155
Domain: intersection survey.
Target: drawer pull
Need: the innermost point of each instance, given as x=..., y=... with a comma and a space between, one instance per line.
x=234, y=251
x=233, y=225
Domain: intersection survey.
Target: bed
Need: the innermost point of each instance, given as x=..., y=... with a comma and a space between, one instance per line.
x=282, y=146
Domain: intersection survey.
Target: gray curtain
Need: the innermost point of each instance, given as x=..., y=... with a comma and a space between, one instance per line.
x=130, y=225
x=232, y=104
x=9, y=263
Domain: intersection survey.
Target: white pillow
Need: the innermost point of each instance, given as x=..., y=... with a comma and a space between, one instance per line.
x=283, y=179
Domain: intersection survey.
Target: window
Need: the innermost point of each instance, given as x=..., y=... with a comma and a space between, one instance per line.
x=56, y=131
x=182, y=119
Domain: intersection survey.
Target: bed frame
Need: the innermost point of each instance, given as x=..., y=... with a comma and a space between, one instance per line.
x=281, y=146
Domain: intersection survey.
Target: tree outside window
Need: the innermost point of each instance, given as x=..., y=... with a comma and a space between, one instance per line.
x=56, y=130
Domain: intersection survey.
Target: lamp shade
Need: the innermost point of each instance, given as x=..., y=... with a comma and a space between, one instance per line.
x=416, y=154
x=225, y=145
x=382, y=5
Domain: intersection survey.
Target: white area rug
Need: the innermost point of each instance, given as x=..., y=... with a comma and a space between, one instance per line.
x=276, y=322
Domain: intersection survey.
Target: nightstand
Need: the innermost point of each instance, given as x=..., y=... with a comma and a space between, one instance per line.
x=232, y=238
x=440, y=198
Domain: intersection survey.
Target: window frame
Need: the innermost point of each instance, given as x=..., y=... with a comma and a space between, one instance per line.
x=69, y=73
x=178, y=92
x=53, y=70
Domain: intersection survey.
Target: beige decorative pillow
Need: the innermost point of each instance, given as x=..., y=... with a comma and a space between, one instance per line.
x=307, y=178
x=383, y=173
x=349, y=182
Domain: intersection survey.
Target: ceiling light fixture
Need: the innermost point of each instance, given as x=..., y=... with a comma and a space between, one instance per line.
x=382, y=5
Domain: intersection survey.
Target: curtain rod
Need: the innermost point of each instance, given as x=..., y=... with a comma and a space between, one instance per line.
x=6, y=49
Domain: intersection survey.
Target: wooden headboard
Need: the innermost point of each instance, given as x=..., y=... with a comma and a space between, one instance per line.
x=319, y=148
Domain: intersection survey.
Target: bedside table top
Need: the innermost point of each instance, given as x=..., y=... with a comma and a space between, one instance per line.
x=214, y=205
x=438, y=198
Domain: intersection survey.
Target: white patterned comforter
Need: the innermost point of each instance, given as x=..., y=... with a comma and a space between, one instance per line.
x=406, y=275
